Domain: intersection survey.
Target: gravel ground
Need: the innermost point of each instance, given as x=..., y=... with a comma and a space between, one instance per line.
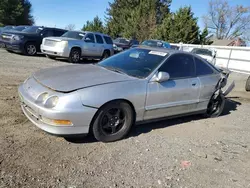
x=184, y=152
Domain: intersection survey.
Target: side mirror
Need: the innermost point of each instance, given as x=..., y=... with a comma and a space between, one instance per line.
x=161, y=77
x=87, y=39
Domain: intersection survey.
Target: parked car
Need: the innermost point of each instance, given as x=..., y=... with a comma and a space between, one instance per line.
x=10, y=31
x=137, y=85
x=154, y=43
x=28, y=41
x=121, y=44
x=207, y=54
x=75, y=45
x=174, y=47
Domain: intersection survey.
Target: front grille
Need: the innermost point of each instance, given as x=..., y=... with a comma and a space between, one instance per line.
x=50, y=43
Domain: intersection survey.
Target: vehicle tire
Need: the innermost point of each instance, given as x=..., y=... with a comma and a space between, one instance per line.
x=248, y=84
x=30, y=49
x=113, y=121
x=215, y=106
x=51, y=57
x=75, y=55
x=105, y=54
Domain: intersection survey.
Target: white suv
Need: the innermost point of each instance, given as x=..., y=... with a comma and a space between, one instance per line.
x=75, y=45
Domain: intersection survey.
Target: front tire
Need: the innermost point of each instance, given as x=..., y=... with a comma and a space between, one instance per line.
x=113, y=121
x=248, y=84
x=75, y=55
x=30, y=49
x=215, y=106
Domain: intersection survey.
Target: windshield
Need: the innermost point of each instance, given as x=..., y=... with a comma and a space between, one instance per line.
x=19, y=28
x=33, y=29
x=202, y=52
x=152, y=43
x=74, y=35
x=134, y=62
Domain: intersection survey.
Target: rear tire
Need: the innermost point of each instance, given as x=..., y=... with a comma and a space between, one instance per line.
x=248, y=84
x=30, y=49
x=113, y=121
x=215, y=106
x=75, y=55
x=105, y=54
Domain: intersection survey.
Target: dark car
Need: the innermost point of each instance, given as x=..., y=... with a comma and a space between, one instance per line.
x=28, y=41
x=10, y=30
x=121, y=44
x=154, y=43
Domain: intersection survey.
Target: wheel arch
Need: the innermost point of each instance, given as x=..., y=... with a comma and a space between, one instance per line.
x=76, y=47
x=121, y=100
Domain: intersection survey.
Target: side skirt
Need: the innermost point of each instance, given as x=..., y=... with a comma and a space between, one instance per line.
x=170, y=117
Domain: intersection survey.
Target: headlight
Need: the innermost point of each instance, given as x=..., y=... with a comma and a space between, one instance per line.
x=51, y=102
x=18, y=37
x=62, y=44
x=42, y=97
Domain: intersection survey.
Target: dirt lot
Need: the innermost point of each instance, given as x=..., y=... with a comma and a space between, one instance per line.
x=185, y=152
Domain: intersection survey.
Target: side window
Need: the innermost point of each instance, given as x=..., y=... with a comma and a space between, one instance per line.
x=99, y=39
x=179, y=66
x=202, y=68
x=91, y=37
x=108, y=40
x=58, y=33
x=48, y=33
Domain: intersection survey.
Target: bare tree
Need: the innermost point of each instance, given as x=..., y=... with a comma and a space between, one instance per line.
x=225, y=21
x=70, y=27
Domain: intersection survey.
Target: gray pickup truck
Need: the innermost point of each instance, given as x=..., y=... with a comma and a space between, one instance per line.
x=75, y=45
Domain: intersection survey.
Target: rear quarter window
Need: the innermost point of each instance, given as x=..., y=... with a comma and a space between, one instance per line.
x=108, y=40
x=202, y=68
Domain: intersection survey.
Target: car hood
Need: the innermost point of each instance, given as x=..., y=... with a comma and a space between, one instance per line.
x=73, y=77
x=121, y=44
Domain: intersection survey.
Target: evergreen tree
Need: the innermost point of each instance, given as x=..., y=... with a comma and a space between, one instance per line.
x=180, y=27
x=95, y=25
x=135, y=18
x=15, y=12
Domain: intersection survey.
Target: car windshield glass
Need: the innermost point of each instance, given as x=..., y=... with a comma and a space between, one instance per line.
x=202, y=52
x=135, y=62
x=74, y=35
x=19, y=28
x=152, y=43
x=33, y=29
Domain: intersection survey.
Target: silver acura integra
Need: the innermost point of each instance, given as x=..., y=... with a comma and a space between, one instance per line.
x=137, y=85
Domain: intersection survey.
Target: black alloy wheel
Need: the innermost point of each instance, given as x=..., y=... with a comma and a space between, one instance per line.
x=113, y=121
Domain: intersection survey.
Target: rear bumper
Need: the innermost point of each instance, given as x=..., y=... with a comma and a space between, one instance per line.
x=81, y=118
x=56, y=52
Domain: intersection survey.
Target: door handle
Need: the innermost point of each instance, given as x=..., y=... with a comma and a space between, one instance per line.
x=194, y=84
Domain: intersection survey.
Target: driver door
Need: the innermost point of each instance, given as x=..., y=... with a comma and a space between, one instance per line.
x=89, y=46
x=179, y=94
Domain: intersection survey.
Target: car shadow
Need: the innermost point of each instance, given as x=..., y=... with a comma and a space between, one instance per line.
x=138, y=129
x=83, y=61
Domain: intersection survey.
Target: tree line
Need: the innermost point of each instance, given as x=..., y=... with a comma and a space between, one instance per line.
x=145, y=19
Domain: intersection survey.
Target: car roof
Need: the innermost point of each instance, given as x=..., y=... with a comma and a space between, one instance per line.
x=94, y=32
